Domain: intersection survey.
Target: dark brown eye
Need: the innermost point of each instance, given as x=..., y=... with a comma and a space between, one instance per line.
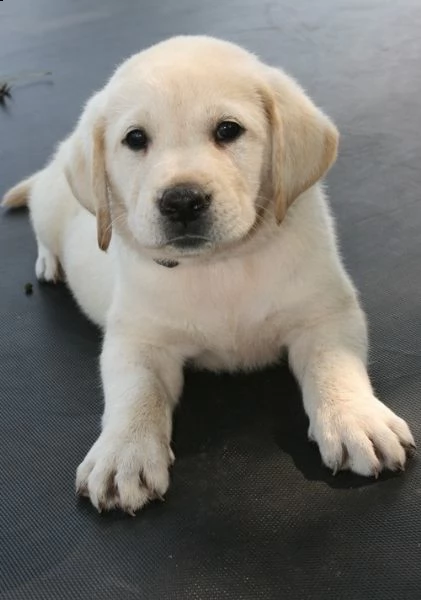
x=228, y=131
x=136, y=140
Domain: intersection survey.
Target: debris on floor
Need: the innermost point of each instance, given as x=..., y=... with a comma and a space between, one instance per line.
x=22, y=78
x=29, y=289
x=4, y=91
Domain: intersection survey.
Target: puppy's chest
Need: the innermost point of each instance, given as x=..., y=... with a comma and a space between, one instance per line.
x=226, y=320
x=238, y=340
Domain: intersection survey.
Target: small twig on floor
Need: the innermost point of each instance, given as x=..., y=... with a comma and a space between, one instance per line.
x=20, y=78
x=4, y=91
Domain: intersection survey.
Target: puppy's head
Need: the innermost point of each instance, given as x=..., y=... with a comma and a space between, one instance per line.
x=193, y=144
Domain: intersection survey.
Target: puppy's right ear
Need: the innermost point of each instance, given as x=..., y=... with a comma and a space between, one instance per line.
x=85, y=167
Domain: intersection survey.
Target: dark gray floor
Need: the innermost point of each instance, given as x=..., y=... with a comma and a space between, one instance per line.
x=251, y=513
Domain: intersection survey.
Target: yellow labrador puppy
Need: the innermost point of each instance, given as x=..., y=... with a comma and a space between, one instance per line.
x=199, y=168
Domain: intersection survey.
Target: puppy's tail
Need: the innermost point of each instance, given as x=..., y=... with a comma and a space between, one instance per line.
x=19, y=194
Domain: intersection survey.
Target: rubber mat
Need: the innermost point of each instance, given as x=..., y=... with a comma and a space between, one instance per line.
x=251, y=513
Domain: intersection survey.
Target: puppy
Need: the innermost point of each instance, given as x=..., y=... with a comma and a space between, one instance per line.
x=199, y=167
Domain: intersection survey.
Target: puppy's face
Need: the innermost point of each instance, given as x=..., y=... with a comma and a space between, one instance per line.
x=186, y=146
x=195, y=141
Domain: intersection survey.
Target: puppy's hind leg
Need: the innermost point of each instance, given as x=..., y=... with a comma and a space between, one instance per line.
x=50, y=207
x=47, y=266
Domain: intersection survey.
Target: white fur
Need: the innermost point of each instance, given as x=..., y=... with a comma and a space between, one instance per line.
x=229, y=309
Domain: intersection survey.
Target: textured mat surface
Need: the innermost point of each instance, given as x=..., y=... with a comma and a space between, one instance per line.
x=251, y=512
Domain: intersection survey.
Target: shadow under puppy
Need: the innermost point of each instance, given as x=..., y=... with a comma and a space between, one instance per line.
x=197, y=156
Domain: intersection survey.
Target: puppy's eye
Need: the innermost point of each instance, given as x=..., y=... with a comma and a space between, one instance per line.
x=228, y=131
x=136, y=139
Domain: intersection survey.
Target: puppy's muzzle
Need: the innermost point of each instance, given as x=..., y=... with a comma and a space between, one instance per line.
x=185, y=209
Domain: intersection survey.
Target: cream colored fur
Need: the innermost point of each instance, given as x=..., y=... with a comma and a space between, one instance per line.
x=254, y=288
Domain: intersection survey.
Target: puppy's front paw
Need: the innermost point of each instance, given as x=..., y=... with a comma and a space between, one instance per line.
x=363, y=436
x=125, y=471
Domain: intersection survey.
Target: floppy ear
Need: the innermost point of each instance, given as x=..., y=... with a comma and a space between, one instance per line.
x=304, y=140
x=85, y=167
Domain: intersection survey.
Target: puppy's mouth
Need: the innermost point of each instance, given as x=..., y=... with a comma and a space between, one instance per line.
x=177, y=245
x=198, y=240
x=189, y=242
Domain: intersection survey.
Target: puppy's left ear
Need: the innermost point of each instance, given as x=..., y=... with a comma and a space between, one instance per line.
x=84, y=167
x=304, y=140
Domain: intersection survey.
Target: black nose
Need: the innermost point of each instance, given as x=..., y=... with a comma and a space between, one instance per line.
x=184, y=203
